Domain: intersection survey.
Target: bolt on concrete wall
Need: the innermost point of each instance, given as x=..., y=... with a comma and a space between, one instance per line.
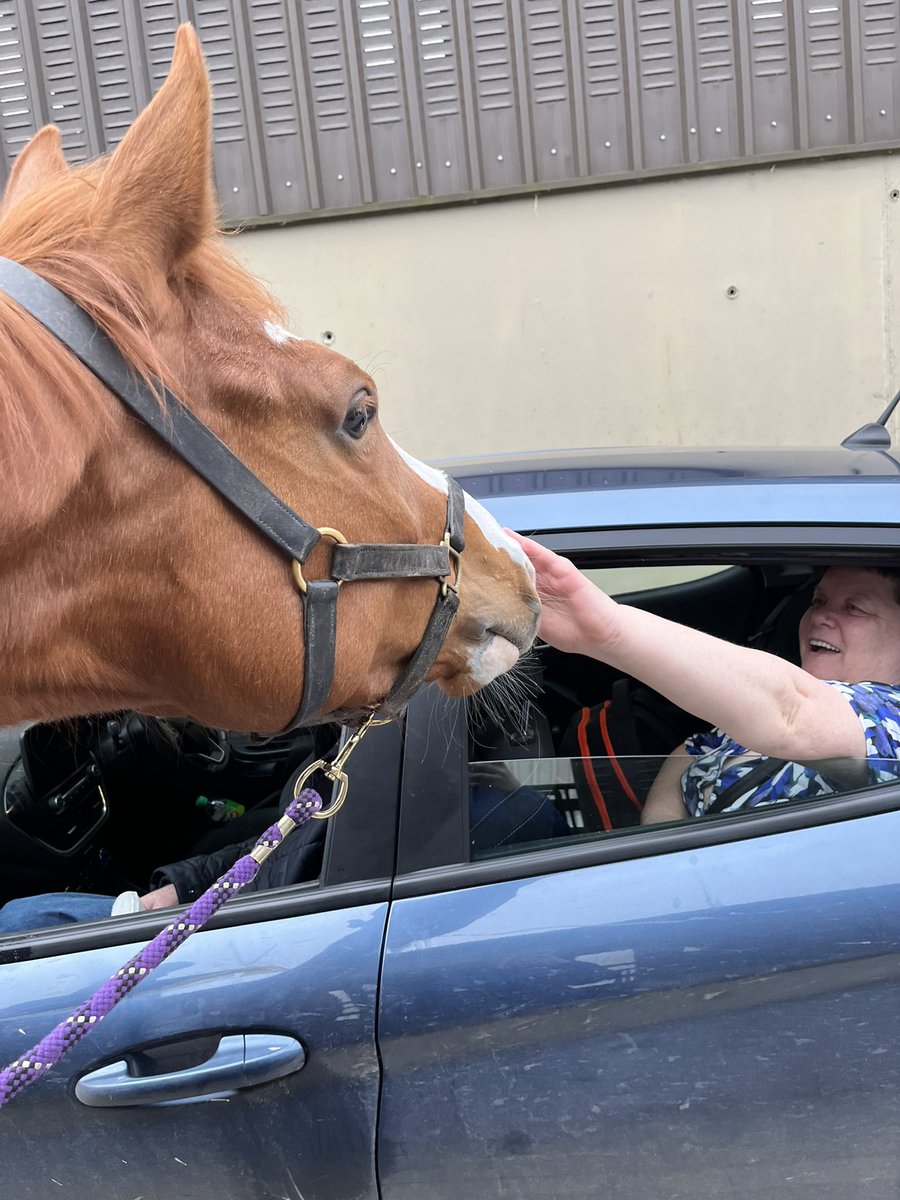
x=759, y=306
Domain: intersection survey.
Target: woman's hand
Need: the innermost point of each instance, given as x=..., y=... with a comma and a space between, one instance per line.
x=577, y=617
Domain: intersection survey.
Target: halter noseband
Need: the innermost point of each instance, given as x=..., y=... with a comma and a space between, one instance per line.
x=206, y=454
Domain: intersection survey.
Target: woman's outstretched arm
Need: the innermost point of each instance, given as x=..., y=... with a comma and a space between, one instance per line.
x=763, y=702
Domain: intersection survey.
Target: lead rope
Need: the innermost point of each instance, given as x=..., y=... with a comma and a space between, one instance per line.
x=306, y=804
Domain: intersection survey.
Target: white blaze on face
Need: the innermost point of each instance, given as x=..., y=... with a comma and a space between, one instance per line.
x=495, y=654
x=482, y=518
x=278, y=334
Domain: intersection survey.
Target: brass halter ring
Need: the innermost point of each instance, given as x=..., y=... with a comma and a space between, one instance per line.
x=297, y=568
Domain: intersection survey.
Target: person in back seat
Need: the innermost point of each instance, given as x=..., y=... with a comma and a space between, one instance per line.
x=775, y=723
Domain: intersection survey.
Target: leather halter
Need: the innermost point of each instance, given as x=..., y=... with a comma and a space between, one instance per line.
x=203, y=451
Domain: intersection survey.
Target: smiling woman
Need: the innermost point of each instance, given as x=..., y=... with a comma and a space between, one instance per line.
x=851, y=631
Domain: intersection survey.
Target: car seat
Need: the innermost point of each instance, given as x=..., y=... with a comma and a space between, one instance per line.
x=526, y=735
x=778, y=632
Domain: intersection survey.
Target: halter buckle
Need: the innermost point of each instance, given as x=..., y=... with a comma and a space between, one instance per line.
x=297, y=567
x=455, y=558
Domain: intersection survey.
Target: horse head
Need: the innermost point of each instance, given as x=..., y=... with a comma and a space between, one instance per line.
x=125, y=580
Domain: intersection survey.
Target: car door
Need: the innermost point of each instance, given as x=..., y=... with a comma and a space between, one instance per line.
x=245, y=1066
x=698, y=1010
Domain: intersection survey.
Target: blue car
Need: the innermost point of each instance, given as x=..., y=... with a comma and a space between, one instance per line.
x=487, y=979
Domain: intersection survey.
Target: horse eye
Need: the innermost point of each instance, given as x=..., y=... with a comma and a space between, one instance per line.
x=357, y=420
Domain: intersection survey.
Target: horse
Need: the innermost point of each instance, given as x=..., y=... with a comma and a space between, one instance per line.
x=126, y=581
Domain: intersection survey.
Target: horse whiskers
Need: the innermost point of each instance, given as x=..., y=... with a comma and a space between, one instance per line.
x=506, y=701
x=373, y=364
x=441, y=725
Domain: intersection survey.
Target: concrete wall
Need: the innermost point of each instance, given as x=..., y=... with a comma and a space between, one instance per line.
x=603, y=317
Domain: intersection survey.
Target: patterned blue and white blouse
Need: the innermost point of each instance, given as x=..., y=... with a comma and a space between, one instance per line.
x=719, y=761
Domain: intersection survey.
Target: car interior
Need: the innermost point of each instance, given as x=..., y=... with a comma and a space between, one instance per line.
x=71, y=790
x=591, y=742
x=575, y=759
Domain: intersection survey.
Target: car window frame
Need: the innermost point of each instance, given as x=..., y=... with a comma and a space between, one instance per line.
x=441, y=741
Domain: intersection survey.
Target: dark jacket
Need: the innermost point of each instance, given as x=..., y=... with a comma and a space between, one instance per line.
x=297, y=859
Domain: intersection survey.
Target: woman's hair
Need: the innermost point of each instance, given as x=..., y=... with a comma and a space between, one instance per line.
x=891, y=573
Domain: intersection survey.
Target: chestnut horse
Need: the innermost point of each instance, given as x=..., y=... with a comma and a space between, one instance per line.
x=125, y=580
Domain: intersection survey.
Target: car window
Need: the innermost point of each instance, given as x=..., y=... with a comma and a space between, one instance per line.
x=109, y=816
x=522, y=805
x=583, y=763
x=519, y=805
x=620, y=581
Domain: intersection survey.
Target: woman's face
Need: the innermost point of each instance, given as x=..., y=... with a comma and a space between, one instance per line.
x=851, y=631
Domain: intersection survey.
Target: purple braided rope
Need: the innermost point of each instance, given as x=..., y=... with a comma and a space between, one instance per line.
x=47, y=1053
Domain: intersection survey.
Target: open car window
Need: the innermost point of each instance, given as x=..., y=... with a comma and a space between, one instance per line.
x=620, y=581
x=581, y=763
x=100, y=813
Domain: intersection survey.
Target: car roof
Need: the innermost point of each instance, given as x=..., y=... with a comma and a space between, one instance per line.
x=621, y=487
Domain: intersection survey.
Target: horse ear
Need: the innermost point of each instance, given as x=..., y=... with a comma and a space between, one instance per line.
x=155, y=199
x=38, y=162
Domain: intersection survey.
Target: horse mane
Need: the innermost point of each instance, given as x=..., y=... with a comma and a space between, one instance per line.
x=41, y=234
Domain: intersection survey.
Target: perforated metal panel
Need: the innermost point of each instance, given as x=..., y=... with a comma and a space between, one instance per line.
x=120, y=79
x=549, y=85
x=387, y=114
x=67, y=74
x=326, y=106
x=770, y=73
x=714, y=134
x=498, y=107
x=333, y=98
x=277, y=80
x=824, y=72
x=878, y=32
x=659, y=74
x=604, y=82
x=19, y=116
x=444, y=156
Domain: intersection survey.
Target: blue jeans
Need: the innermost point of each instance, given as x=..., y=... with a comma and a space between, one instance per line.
x=53, y=908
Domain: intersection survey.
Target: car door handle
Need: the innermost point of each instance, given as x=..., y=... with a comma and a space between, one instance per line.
x=241, y=1060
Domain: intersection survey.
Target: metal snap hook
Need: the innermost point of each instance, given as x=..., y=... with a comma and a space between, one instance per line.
x=334, y=770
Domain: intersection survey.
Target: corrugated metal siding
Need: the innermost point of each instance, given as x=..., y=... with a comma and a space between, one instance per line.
x=322, y=106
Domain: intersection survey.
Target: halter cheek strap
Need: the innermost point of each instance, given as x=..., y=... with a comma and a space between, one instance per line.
x=352, y=563
x=210, y=458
